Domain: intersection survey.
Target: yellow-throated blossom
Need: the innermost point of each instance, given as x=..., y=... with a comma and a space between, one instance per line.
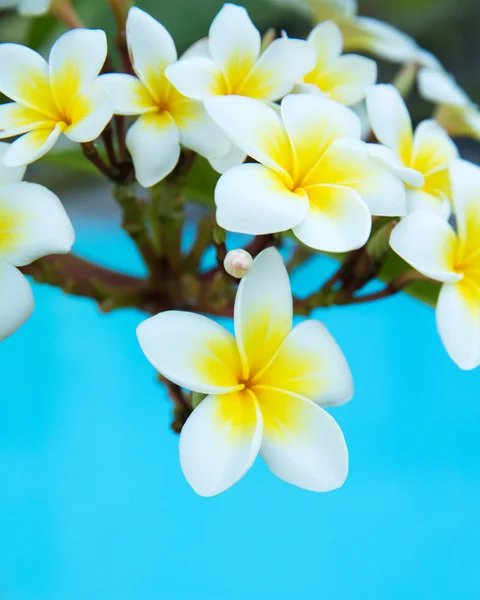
x=341, y=78
x=167, y=118
x=33, y=223
x=265, y=387
x=27, y=7
x=63, y=96
x=432, y=247
x=365, y=34
x=420, y=159
x=455, y=110
x=230, y=62
x=315, y=174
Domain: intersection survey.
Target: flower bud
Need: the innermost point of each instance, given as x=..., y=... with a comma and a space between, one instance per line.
x=238, y=263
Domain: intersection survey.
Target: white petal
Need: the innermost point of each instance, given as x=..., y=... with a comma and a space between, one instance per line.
x=283, y=63
x=33, y=7
x=428, y=243
x=348, y=77
x=151, y=47
x=197, y=78
x=347, y=163
x=432, y=147
x=312, y=124
x=128, y=93
x=302, y=444
x=16, y=119
x=423, y=200
x=71, y=70
x=390, y=119
x=255, y=128
x=465, y=180
x=9, y=174
x=16, y=299
x=198, y=131
x=154, y=143
x=34, y=223
x=327, y=39
x=234, y=42
x=429, y=60
x=458, y=323
x=232, y=159
x=440, y=87
x=310, y=363
x=253, y=199
x=192, y=351
x=31, y=146
x=90, y=112
x=198, y=49
x=390, y=161
x=380, y=39
x=220, y=441
x=263, y=311
x=24, y=78
x=338, y=220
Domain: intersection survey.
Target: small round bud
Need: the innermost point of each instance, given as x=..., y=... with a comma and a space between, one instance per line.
x=238, y=263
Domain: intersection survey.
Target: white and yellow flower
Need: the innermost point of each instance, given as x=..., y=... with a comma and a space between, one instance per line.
x=341, y=78
x=435, y=249
x=365, y=34
x=420, y=159
x=33, y=223
x=315, y=175
x=229, y=61
x=167, y=119
x=265, y=387
x=455, y=110
x=63, y=96
x=27, y=7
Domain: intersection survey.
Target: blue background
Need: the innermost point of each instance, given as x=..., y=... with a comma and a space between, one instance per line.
x=93, y=503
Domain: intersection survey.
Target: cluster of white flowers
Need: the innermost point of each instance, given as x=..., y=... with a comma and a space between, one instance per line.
x=288, y=108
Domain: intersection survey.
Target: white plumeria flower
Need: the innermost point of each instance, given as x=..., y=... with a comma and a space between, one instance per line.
x=365, y=34
x=341, y=78
x=315, y=175
x=432, y=247
x=63, y=96
x=264, y=387
x=455, y=110
x=229, y=62
x=33, y=223
x=27, y=7
x=167, y=118
x=420, y=159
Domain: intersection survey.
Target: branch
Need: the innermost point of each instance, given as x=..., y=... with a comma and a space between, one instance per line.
x=82, y=278
x=392, y=288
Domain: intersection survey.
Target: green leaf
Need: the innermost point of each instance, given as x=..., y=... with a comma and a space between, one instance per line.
x=201, y=182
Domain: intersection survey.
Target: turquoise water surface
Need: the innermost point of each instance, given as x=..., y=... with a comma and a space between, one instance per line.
x=93, y=504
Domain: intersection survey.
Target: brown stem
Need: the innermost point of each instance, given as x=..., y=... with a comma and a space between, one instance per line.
x=392, y=288
x=64, y=12
x=91, y=153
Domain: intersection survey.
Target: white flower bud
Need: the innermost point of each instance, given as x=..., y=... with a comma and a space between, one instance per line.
x=238, y=263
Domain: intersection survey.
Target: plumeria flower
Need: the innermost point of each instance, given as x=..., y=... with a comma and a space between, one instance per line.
x=167, y=118
x=342, y=78
x=230, y=62
x=365, y=34
x=420, y=159
x=315, y=175
x=63, y=96
x=27, y=7
x=432, y=247
x=455, y=110
x=265, y=387
x=33, y=223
